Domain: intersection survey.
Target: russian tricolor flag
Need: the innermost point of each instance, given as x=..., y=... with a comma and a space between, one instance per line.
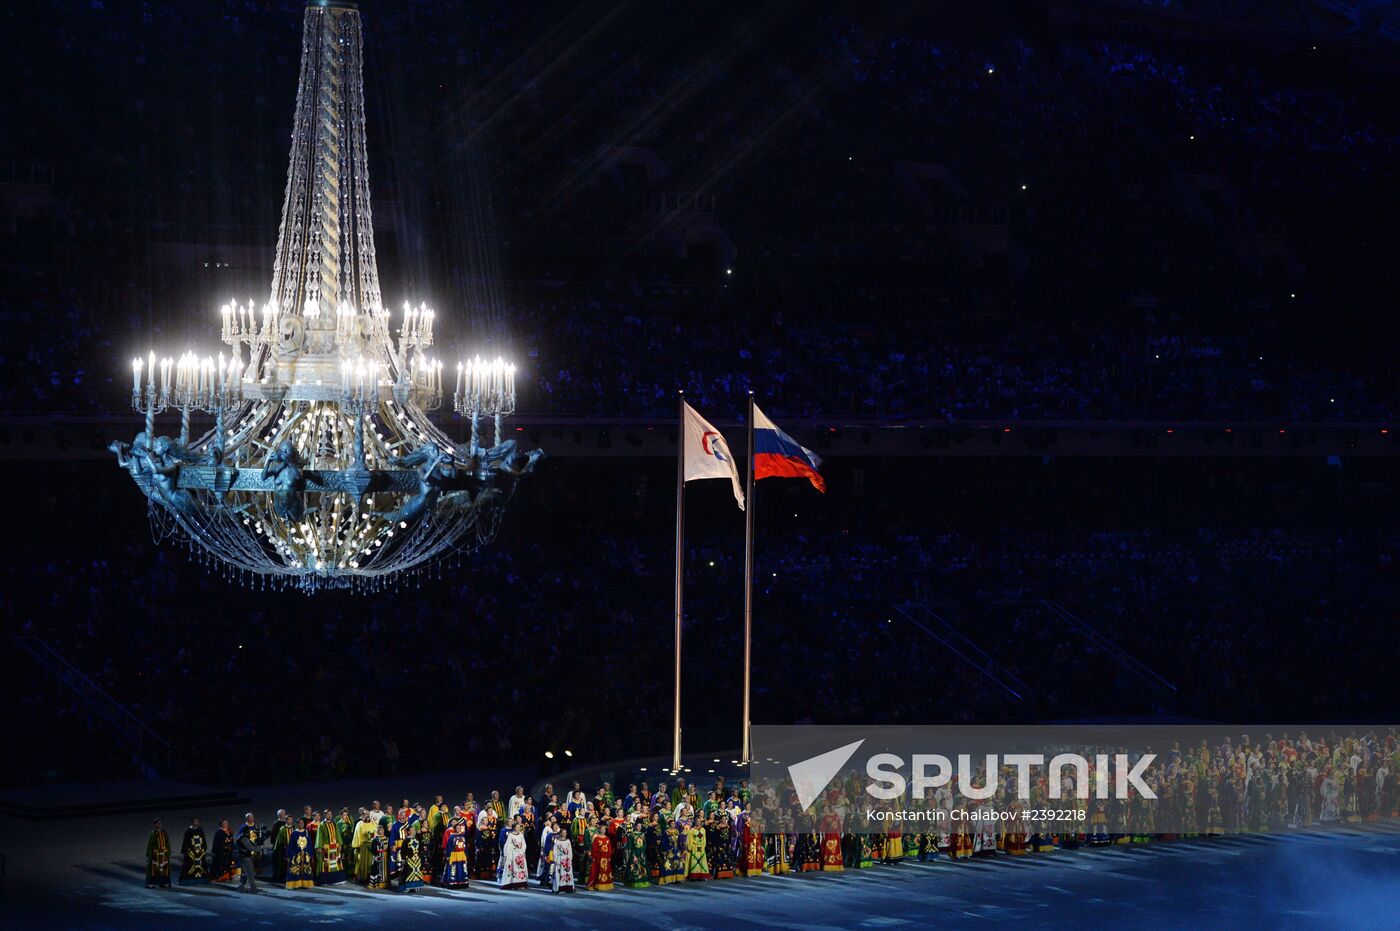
x=777, y=455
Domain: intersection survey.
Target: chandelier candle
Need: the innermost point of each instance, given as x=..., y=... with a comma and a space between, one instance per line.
x=330, y=472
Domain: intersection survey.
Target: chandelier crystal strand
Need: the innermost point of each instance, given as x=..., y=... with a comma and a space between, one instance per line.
x=322, y=467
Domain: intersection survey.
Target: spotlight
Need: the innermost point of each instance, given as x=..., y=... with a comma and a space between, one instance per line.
x=549, y=754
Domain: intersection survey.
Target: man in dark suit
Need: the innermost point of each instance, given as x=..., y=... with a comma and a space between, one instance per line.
x=246, y=846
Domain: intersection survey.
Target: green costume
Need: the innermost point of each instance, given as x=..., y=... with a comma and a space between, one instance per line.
x=697, y=862
x=329, y=868
x=158, y=858
x=634, y=870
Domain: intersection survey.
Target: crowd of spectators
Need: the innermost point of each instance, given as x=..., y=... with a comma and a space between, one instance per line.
x=835, y=281
x=933, y=367
x=886, y=215
x=559, y=636
x=617, y=362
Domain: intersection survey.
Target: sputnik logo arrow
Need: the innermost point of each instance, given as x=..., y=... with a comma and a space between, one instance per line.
x=811, y=776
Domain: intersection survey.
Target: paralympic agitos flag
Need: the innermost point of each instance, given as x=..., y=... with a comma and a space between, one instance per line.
x=707, y=455
x=777, y=455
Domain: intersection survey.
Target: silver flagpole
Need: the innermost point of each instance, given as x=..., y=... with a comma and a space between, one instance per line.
x=744, y=756
x=680, y=574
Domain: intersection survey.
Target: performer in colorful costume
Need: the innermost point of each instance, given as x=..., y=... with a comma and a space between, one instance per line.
x=157, y=857
x=194, y=869
x=301, y=863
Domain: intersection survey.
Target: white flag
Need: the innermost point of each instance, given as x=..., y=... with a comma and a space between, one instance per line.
x=707, y=455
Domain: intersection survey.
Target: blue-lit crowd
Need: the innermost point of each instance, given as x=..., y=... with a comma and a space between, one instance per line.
x=681, y=832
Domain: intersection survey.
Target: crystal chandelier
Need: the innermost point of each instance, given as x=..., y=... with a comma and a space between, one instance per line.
x=322, y=468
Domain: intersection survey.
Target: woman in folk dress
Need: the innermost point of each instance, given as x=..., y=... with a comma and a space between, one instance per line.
x=562, y=869
x=515, y=873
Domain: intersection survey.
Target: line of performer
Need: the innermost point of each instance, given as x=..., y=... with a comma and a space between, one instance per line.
x=674, y=834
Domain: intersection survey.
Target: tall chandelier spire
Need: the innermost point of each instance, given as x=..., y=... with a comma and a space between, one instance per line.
x=322, y=467
x=325, y=247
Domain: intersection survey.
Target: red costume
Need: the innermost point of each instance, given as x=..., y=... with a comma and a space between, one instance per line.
x=600, y=876
x=832, y=859
x=752, y=860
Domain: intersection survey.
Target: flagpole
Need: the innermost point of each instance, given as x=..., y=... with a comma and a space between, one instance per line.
x=748, y=584
x=680, y=572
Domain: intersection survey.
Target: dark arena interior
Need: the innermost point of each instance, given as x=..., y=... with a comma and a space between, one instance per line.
x=1082, y=313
